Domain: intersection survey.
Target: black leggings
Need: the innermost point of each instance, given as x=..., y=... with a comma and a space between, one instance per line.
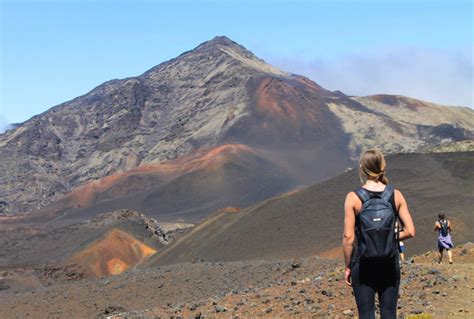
x=381, y=277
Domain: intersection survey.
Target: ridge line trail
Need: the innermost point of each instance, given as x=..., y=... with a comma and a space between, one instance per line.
x=459, y=294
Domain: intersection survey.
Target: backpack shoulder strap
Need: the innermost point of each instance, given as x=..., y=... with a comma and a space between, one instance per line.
x=362, y=194
x=387, y=193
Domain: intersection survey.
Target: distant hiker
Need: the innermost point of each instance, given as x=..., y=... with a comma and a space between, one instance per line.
x=401, y=245
x=370, y=215
x=443, y=227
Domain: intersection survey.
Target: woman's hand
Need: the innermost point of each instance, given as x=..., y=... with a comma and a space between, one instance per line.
x=347, y=276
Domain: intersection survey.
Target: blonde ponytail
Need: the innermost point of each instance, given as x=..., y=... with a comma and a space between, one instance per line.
x=372, y=166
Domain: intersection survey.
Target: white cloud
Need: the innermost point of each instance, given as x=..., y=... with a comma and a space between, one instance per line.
x=4, y=125
x=437, y=75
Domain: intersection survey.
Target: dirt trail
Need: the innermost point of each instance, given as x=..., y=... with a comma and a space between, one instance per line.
x=460, y=299
x=455, y=296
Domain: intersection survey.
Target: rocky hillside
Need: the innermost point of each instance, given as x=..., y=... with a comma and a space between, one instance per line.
x=462, y=146
x=218, y=93
x=401, y=124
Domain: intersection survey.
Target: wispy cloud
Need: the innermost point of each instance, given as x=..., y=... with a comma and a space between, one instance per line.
x=437, y=75
x=4, y=125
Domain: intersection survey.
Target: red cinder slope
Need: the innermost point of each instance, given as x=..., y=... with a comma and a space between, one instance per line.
x=112, y=254
x=165, y=171
x=194, y=185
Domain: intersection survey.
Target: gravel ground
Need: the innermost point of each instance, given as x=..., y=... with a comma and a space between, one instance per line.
x=269, y=288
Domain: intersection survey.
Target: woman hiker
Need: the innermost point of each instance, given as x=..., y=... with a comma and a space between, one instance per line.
x=443, y=227
x=370, y=214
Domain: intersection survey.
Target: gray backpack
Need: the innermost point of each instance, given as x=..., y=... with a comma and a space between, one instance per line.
x=375, y=225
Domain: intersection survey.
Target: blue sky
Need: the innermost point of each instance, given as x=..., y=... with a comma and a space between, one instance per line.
x=53, y=51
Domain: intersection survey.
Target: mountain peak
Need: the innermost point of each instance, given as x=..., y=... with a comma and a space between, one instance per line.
x=218, y=46
x=238, y=52
x=223, y=43
x=219, y=41
x=222, y=40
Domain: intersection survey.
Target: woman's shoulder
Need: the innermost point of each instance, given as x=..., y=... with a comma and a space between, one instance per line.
x=352, y=197
x=396, y=192
x=351, y=194
x=398, y=197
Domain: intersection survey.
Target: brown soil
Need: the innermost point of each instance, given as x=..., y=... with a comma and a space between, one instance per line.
x=308, y=287
x=432, y=290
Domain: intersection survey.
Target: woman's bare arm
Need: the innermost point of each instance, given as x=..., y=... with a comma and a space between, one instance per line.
x=348, y=237
x=404, y=214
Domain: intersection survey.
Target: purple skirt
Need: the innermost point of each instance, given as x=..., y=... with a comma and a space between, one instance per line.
x=445, y=242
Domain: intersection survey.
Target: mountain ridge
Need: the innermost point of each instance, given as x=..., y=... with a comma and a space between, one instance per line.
x=217, y=93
